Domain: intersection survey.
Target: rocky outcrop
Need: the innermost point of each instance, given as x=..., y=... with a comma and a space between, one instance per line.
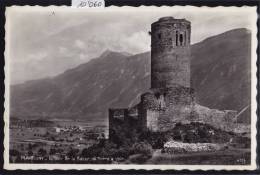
x=173, y=147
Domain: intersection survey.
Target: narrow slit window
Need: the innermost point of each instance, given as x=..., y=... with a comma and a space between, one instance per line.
x=185, y=39
x=181, y=39
x=160, y=36
x=176, y=38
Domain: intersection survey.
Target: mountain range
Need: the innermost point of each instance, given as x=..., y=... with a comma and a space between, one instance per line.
x=220, y=76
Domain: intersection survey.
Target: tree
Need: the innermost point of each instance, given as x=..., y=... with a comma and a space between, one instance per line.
x=30, y=153
x=85, y=152
x=123, y=152
x=142, y=148
x=52, y=151
x=60, y=150
x=92, y=151
x=14, y=152
x=72, y=153
x=109, y=150
x=14, y=155
x=42, y=152
x=155, y=139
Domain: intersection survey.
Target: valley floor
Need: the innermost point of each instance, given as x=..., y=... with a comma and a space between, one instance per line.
x=65, y=143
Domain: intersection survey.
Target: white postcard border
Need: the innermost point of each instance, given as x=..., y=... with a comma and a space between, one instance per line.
x=13, y=166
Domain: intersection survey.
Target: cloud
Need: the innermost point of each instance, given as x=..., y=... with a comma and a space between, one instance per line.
x=63, y=50
x=37, y=56
x=137, y=42
x=71, y=37
x=80, y=44
x=84, y=57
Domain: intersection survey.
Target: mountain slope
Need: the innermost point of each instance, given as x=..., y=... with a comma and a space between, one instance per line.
x=220, y=69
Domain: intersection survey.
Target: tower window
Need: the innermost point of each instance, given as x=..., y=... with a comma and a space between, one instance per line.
x=185, y=38
x=159, y=35
x=176, y=38
x=181, y=39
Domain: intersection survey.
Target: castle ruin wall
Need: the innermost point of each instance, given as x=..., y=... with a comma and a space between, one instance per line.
x=171, y=99
x=161, y=109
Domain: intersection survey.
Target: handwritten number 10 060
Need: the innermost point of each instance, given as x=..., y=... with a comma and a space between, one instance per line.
x=90, y=4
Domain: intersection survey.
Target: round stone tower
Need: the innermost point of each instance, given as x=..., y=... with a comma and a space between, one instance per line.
x=170, y=53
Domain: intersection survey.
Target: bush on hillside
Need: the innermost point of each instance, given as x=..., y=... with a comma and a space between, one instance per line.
x=142, y=148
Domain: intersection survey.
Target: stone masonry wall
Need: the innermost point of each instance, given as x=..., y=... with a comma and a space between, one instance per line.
x=170, y=54
x=160, y=109
x=121, y=119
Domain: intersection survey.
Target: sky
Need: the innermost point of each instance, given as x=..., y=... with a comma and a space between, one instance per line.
x=44, y=42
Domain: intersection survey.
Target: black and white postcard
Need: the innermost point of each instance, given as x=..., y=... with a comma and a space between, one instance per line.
x=170, y=87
